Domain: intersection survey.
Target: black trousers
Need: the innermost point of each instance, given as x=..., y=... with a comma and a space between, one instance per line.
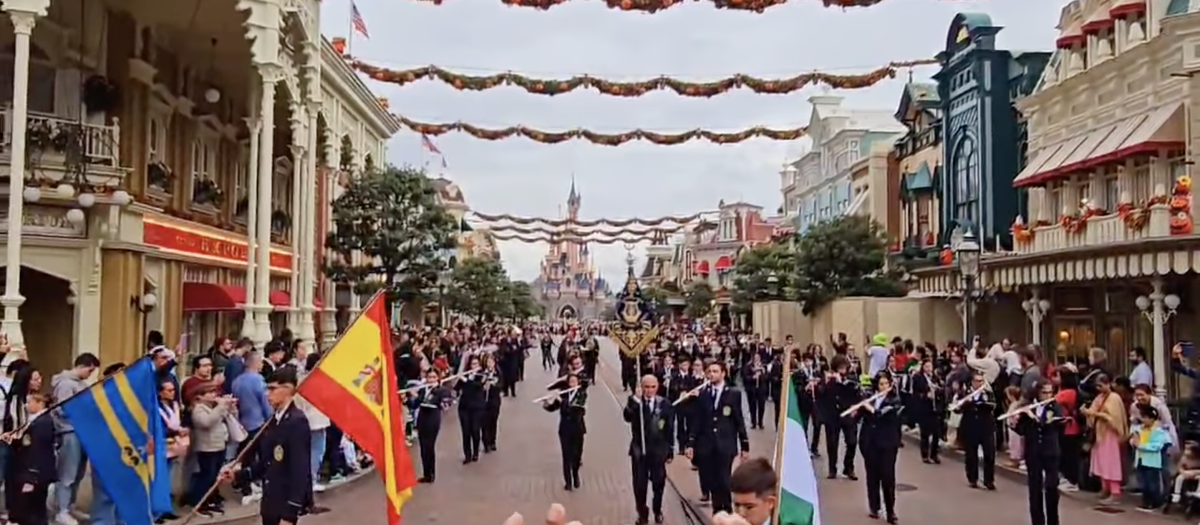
x=814, y=437
x=758, y=405
x=775, y=402
x=509, y=386
x=1043, y=488
x=246, y=477
x=880, y=463
x=717, y=469
x=491, y=425
x=547, y=360
x=471, y=422
x=1072, y=456
x=571, y=446
x=931, y=434
x=30, y=507
x=651, y=471
x=682, y=424
x=847, y=428
x=427, y=440
x=976, y=437
x=335, y=459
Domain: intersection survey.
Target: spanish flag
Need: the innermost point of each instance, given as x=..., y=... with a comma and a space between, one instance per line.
x=355, y=385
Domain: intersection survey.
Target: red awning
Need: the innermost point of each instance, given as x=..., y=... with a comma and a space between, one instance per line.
x=724, y=263
x=1095, y=26
x=702, y=268
x=1127, y=8
x=1069, y=41
x=210, y=297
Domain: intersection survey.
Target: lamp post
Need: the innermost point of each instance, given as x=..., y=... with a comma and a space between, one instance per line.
x=966, y=253
x=144, y=304
x=1158, y=308
x=1036, y=310
x=773, y=286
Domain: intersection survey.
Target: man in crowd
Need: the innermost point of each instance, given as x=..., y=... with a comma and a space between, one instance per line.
x=72, y=462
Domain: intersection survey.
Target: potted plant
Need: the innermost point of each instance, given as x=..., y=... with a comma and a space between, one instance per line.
x=100, y=94
x=41, y=136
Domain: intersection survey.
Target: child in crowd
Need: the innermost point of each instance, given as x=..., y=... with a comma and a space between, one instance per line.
x=1016, y=452
x=1149, y=439
x=1187, y=474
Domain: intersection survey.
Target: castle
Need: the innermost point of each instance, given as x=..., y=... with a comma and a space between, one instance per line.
x=568, y=286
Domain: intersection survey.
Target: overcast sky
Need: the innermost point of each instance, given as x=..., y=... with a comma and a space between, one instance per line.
x=694, y=42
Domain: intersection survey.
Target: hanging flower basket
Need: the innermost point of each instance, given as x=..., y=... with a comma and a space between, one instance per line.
x=100, y=94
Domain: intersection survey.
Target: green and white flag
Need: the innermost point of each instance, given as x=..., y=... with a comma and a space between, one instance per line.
x=798, y=503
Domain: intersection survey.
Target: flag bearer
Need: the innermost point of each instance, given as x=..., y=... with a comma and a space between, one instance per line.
x=651, y=421
x=34, y=468
x=283, y=461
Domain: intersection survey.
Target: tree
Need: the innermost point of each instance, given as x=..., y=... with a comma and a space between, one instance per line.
x=657, y=297
x=763, y=273
x=842, y=257
x=699, y=298
x=479, y=288
x=523, y=304
x=393, y=218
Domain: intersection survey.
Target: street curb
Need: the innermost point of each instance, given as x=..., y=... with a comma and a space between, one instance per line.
x=230, y=517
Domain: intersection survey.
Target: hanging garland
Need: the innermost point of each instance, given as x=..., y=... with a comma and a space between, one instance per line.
x=551, y=87
x=576, y=232
x=620, y=223
x=603, y=139
x=627, y=239
x=654, y=6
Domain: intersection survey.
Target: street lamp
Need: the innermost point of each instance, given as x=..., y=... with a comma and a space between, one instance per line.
x=966, y=253
x=773, y=285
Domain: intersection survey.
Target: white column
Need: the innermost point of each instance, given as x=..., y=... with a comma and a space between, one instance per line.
x=271, y=74
x=23, y=22
x=311, y=243
x=250, y=321
x=297, y=234
x=1158, y=323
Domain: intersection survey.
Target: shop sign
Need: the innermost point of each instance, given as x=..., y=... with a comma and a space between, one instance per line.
x=46, y=221
x=187, y=241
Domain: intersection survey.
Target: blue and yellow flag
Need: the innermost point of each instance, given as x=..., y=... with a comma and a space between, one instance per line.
x=119, y=427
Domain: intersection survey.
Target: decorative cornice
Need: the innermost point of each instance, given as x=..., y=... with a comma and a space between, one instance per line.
x=356, y=93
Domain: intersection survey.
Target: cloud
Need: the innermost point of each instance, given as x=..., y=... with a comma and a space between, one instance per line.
x=694, y=41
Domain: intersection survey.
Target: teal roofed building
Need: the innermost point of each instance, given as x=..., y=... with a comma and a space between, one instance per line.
x=918, y=157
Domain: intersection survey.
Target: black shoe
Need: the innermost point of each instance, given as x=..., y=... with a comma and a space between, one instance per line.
x=577, y=484
x=989, y=486
x=466, y=460
x=317, y=509
x=973, y=484
x=704, y=498
x=658, y=517
x=832, y=475
x=873, y=515
x=893, y=519
x=170, y=516
x=641, y=520
x=936, y=461
x=850, y=476
x=926, y=461
x=425, y=479
x=568, y=487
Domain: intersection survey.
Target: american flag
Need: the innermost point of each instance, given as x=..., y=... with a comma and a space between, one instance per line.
x=429, y=146
x=357, y=20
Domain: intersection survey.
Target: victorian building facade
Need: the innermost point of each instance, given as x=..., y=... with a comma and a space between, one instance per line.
x=919, y=171
x=818, y=185
x=1106, y=253
x=177, y=166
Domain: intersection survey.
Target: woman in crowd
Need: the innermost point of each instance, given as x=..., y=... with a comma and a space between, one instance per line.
x=571, y=407
x=210, y=415
x=1040, y=429
x=1071, y=443
x=492, y=390
x=178, y=436
x=1109, y=423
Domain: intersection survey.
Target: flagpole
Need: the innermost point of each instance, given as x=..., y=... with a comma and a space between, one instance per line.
x=258, y=434
x=785, y=386
x=350, y=34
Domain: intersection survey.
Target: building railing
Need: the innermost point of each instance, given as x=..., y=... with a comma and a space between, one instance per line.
x=49, y=136
x=1096, y=231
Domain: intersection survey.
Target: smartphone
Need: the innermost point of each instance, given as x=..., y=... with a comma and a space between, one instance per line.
x=1188, y=347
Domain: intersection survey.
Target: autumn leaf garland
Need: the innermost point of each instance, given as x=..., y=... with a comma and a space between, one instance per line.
x=654, y=6
x=603, y=139
x=551, y=87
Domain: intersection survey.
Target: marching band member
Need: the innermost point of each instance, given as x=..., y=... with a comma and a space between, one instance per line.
x=805, y=380
x=432, y=400
x=1040, y=427
x=493, y=391
x=837, y=393
x=571, y=408
x=879, y=441
x=775, y=385
x=978, y=429
x=717, y=434
x=669, y=377
x=754, y=377
x=471, y=406
x=573, y=364
x=651, y=446
x=928, y=403
x=691, y=376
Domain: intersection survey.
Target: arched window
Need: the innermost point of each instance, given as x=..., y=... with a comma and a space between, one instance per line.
x=42, y=79
x=966, y=180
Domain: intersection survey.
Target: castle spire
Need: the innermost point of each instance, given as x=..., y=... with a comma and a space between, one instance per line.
x=573, y=199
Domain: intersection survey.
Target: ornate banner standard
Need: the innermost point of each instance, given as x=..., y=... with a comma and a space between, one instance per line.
x=635, y=328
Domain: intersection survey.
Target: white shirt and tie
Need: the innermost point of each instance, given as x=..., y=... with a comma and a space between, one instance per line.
x=715, y=391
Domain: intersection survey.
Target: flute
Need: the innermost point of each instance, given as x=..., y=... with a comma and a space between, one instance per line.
x=960, y=402
x=861, y=404
x=691, y=393
x=555, y=394
x=423, y=386
x=1024, y=409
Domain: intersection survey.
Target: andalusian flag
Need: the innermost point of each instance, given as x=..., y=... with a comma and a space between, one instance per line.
x=355, y=385
x=798, y=503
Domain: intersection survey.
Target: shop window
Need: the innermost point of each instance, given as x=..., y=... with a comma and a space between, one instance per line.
x=1073, y=338
x=966, y=177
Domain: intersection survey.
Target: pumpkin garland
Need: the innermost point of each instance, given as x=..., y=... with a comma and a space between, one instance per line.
x=658, y=222
x=629, y=89
x=1076, y=223
x=654, y=6
x=629, y=238
x=1180, y=204
x=602, y=139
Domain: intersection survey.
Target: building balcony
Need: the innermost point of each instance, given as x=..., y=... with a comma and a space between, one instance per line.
x=1099, y=230
x=58, y=147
